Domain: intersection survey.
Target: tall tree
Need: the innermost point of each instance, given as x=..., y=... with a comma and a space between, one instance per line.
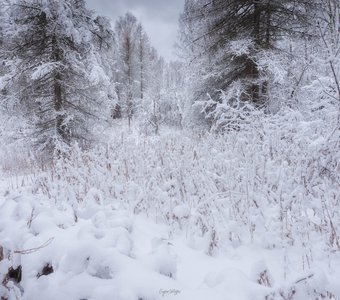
x=127, y=38
x=144, y=49
x=57, y=68
x=136, y=61
x=232, y=40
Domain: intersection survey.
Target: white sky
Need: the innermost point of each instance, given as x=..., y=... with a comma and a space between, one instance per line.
x=159, y=18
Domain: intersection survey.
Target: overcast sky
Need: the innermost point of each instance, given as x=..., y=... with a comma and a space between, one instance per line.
x=159, y=18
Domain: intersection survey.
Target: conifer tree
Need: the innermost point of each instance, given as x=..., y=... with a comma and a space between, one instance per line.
x=227, y=41
x=58, y=68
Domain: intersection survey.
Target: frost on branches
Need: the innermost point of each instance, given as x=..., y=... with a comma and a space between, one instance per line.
x=127, y=177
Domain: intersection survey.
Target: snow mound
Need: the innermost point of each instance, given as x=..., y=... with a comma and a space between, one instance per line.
x=95, y=251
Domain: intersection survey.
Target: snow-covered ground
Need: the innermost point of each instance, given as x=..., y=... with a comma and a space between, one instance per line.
x=173, y=217
x=111, y=254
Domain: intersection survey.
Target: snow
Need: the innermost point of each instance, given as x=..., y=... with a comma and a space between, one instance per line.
x=44, y=69
x=245, y=205
x=102, y=249
x=247, y=215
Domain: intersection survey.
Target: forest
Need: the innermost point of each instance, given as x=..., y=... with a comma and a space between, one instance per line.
x=126, y=176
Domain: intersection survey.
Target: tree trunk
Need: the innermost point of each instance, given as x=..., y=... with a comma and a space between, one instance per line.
x=61, y=127
x=141, y=61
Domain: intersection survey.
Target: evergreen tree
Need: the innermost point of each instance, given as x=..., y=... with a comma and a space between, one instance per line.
x=127, y=37
x=230, y=43
x=58, y=68
x=137, y=64
x=144, y=49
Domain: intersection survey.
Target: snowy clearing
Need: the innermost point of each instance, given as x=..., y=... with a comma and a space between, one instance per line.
x=169, y=217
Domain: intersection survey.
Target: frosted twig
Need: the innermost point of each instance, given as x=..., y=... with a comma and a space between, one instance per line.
x=305, y=278
x=29, y=251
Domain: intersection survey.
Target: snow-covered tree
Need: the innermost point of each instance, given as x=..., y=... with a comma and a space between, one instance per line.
x=57, y=70
x=329, y=31
x=235, y=46
x=105, y=43
x=139, y=70
x=173, y=95
x=128, y=72
x=144, y=49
